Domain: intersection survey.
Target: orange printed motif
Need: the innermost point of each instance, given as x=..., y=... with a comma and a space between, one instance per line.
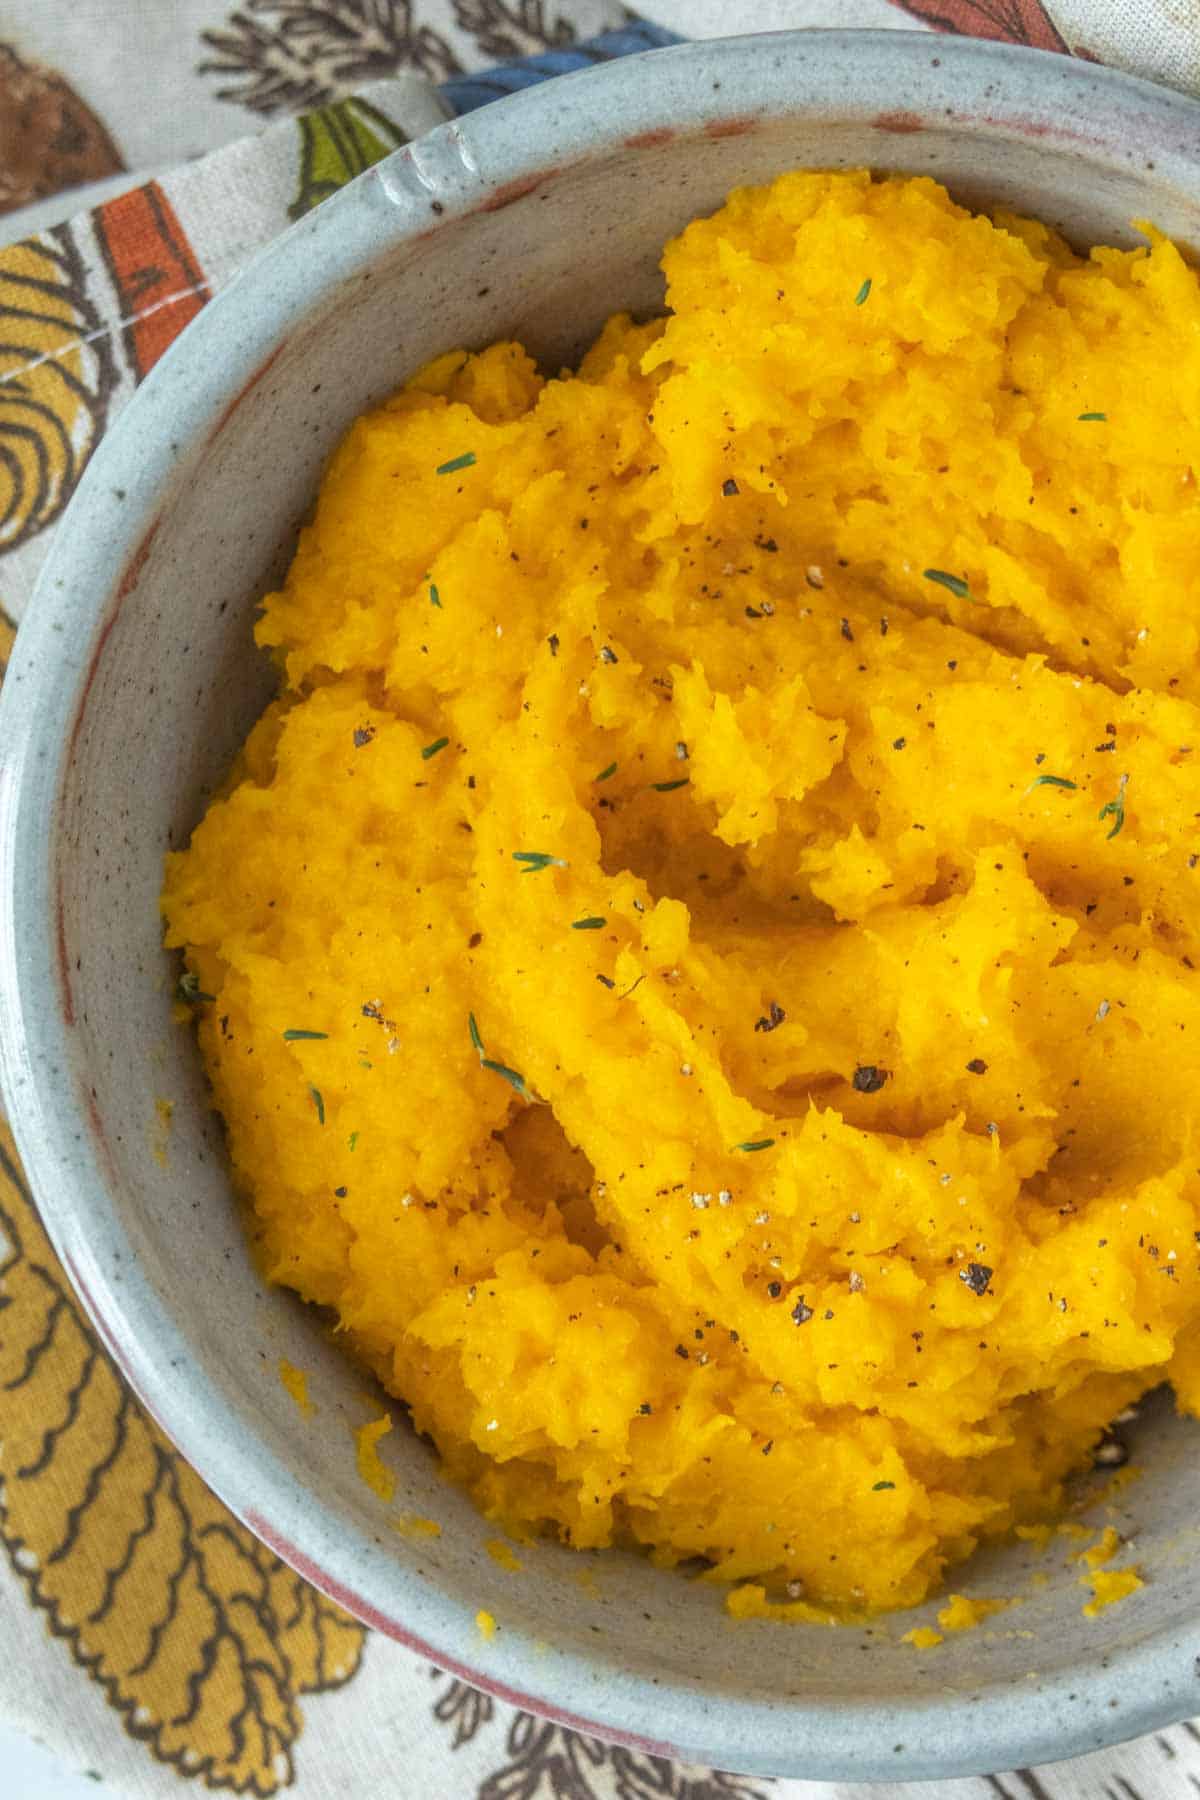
x=160, y=285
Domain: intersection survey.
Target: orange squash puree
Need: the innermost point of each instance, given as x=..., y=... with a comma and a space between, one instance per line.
x=705, y=944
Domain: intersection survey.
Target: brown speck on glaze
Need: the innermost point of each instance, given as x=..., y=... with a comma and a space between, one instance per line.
x=246, y=389
x=721, y=128
x=646, y=140
x=898, y=122
x=64, y=957
x=512, y=191
x=129, y=580
x=125, y=587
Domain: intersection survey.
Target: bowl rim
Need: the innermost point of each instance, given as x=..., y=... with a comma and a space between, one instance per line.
x=456, y=169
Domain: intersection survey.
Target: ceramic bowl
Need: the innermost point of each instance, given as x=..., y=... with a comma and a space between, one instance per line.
x=134, y=681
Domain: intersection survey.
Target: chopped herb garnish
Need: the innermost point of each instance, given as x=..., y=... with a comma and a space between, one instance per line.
x=668, y=787
x=317, y=1102
x=591, y=924
x=537, y=859
x=353, y=1139
x=869, y=1078
x=435, y=599
x=292, y=1037
x=188, y=989
x=773, y=1020
x=955, y=583
x=363, y=735
x=880, y=1487
x=510, y=1075
x=756, y=1144
x=1051, y=781
x=432, y=749
x=606, y=981
x=1086, y=416
x=1115, y=809
x=729, y=488
x=605, y=773
x=465, y=461
x=476, y=1040
x=801, y=1313
x=975, y=1276
x=863, y=291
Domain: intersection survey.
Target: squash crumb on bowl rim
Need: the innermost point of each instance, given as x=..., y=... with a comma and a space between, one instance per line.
x=105, y=715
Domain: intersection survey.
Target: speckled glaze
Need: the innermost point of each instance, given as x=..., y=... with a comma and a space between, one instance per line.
x=135, y=680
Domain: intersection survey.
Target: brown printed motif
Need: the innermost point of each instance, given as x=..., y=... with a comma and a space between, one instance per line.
x=548, y=1762
x=49, y=139
x=504, y=30
x=282, y=55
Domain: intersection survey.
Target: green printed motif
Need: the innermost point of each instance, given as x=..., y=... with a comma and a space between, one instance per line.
x=337, y=142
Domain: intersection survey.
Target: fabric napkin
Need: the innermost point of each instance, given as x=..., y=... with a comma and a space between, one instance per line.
x=147, y=148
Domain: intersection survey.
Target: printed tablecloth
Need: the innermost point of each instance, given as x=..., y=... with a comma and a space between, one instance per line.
x=147, y=148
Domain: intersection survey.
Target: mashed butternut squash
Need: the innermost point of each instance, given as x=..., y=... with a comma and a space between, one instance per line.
x=705, y=944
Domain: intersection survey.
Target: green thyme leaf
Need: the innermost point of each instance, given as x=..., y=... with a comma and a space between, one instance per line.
x=879, y=1486
x=293, y=1037
x=955, y=583
x=435, y=599
x=1115, y=809
x=188, y=989
x=668, y=787
x=510, y=1075
x=465, y=461
x=605, y=773
x=317, y=1102
x=537, y=859
x=432, y=749
x=863, y=291
x=591, y=924
x=1085, y=416
x=1051, y=781
x=756, y=1144
x=476, y=1040
x=353, y=1139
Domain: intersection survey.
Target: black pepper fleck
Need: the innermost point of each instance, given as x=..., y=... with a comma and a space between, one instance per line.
x=868, y=1078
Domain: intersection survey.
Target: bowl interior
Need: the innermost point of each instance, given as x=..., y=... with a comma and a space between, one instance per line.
x=536, y=220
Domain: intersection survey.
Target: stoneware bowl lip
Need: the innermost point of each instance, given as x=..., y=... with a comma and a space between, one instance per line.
x=482, y=161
